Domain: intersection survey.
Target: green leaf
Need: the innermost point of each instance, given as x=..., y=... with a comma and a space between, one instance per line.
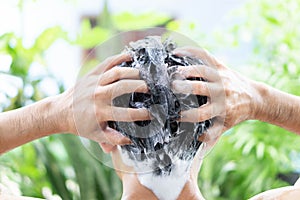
x=173, y=25
x=260, y=150
x=272, y=20
x=91, y=37
x=128, y=21
x=47, y=37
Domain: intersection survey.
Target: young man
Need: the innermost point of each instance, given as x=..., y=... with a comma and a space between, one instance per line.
x=232, y=99
x=244, y=99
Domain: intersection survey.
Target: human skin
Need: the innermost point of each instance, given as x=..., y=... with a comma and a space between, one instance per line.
x=133, y=190
x=241, y=99
x=283, y=193
x=81, y=110
x=233, y=99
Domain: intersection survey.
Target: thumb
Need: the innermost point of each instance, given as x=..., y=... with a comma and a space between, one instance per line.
x=113, y=137
x=107, y=148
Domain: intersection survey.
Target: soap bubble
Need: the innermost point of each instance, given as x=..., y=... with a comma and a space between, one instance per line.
x=158, y=145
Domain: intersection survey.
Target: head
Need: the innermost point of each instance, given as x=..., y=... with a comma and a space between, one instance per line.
x=164, y=150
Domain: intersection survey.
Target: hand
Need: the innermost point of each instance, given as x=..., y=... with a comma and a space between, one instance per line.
x=283, y=193
x=89, y=103
x=231, y=97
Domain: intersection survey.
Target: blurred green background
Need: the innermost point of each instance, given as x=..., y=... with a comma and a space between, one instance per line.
x=250, y=158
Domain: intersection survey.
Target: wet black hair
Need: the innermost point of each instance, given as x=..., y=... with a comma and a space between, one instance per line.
x=163, y=137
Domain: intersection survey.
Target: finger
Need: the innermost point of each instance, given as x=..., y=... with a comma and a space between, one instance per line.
x=107, y=148
x=125, y=87
x=118, y=73
x=200, y=53
x=212, y=134
x=200, y=71
x=116, y=60
x=191, y=87
x=111, y=62
x=113, y=137
x=210, y=137
x=200, y=114
x=127, y=114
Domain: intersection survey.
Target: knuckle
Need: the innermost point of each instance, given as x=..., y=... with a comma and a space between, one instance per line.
x=203, y=115
x=200, y=117
x=120, y=85
x=218, y=89
x=197, y=88
x=101, y=79
x=107, y=114
x=104, y=92
x=98, y=92
x=196, y=69
x=116, y=72
x=200, y=88
x=204, y=71
x=100, y=114
x=116, y=114
x=227, y=92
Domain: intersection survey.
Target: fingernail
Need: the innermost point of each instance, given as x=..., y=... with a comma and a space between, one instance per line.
x=127, y=141
x=176, y=51
x=202, y=137
x=182, y=52
x=181, y=116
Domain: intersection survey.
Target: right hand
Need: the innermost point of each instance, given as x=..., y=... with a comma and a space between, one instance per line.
x=283, y=193
x=89, y=103
x=232, y=98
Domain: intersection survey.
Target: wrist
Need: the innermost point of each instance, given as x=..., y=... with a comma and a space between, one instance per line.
x=54, y=115
x=277, y=107
x=257, y=106
x=60, y=107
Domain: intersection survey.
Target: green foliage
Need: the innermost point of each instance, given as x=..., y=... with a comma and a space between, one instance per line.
x=90, y=37
x=275, y=37
x=23, y=57
x=23, y=165
x=60, y=163
x=244, y=162
x=249, y=160
x=50, y=162
x=22, y=60
x=128, y=21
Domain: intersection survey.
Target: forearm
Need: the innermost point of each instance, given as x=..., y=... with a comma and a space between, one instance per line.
x=23, y=125
x=278, y=108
